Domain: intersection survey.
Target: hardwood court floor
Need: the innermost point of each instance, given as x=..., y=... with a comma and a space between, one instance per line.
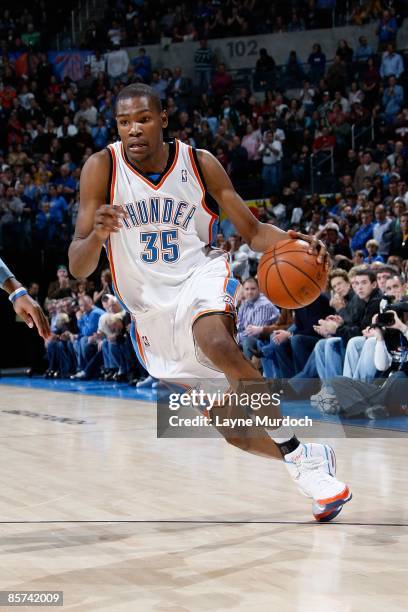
x=122, y=521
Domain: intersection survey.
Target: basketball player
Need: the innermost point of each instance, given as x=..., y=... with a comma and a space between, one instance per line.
x=27, y=308
x=151, y=204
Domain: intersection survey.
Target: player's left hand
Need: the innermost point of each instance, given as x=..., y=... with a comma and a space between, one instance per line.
x=317, y=247
x=31, y=312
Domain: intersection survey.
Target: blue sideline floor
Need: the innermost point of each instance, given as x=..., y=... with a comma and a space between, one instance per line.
x=123, y=391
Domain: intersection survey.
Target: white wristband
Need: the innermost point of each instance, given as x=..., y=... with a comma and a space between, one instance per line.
x=17, y=293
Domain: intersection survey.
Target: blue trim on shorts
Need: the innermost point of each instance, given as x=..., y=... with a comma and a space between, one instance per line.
x=231, y=287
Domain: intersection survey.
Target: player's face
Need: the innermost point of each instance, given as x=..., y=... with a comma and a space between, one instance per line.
x=140, y=126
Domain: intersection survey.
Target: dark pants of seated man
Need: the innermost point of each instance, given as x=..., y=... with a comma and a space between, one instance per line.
x=286, y=359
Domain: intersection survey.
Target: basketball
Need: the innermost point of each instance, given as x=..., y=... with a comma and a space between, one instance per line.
x=290, y=276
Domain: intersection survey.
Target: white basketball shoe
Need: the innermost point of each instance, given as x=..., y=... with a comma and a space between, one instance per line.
x=313, y=468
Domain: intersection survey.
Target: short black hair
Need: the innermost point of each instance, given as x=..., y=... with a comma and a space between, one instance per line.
x=372, y=276
x=139, y=90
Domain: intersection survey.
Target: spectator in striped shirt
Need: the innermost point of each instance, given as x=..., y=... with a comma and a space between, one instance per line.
x=255, y=313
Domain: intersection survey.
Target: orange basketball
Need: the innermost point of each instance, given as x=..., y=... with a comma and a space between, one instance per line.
x=289, y=276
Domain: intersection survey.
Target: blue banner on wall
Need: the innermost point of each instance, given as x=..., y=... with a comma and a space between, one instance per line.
x=69, y=63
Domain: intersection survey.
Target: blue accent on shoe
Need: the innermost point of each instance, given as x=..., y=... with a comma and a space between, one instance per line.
x=329, y=517
x=337, y=503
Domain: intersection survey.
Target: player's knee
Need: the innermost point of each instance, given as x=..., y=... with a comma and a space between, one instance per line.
x=219, y=346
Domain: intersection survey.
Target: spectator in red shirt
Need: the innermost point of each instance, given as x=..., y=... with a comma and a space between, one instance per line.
x=324, y=140
x=221, y=83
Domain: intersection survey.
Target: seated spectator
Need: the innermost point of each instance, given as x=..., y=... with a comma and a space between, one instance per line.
x=365, y=231
x=391, y=63
x=100, y=134
x=371, y=80
x=221, y=82
x=386, y=30
x=106, y=287
x=255, y=313
x=271, y=154
x=288, y=350
x=265, y=70
x=296, y=23
x=97, y=64
x=367, y=168
x=317, y=64
x=62, y=287
x=391, y=350
x=363, y=51
x=159, y=84
x=239, y=257
x=395, y=288
x=399, y=238
x=180, y=88
x=392, y=99
x=85, y=347
x=142, y=65
x=293, y=71
x=379, y=348
x=381, y=231
x=334, y=243
x=86, y=112
x=328, y=354
x=340, y=288
x=372, y=250
x=117, y=62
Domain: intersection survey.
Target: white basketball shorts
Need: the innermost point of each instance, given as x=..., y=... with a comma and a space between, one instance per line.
x=164, y=338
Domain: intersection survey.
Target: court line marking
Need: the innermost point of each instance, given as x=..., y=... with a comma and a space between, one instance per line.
x=198, y=522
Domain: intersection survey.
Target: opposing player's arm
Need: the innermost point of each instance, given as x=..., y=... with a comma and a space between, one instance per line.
x=96, y=219
x=259, y=236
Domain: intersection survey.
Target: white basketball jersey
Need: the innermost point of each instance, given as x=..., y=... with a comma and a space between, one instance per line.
x=164, y=237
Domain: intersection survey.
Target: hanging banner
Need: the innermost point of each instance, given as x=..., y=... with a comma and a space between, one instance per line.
x=69, y=63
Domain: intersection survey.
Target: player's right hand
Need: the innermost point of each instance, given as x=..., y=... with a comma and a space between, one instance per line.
x=31, y=312
x=108, y=219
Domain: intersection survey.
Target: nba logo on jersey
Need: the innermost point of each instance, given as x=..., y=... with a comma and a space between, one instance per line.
x=184, y=176
x=145, y=341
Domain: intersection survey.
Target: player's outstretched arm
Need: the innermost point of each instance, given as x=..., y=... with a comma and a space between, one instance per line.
x=96, y=219
x=27, y=308
x=259, y=236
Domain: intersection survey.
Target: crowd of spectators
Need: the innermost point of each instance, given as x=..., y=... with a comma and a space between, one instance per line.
x=141, y=23
x=138, y=22
x=349, y=116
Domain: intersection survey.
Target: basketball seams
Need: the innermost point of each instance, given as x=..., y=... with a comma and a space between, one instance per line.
x=302, y=271
x=276, y=263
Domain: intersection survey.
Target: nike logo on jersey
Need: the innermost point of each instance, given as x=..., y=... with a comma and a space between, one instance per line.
x=159, y=211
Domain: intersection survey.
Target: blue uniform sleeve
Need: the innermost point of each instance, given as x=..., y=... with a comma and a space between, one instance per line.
x=5, y=273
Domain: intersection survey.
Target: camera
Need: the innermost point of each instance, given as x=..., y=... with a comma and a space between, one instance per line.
x=386, y=318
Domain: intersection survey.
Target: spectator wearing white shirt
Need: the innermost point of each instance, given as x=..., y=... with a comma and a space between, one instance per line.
x=87, y=111
x=380, y=231
x=306, y=96
x=67, y=129
x=340, y=99
x=356, y=95
x=239, y=258
x=117, y=62
x=271, y=152
x=98, y=64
